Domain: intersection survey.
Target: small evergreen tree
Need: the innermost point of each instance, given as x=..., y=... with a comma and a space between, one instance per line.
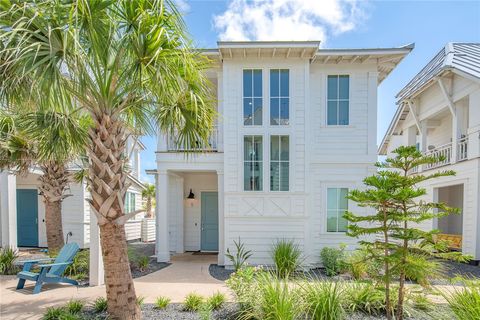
x=393, y=233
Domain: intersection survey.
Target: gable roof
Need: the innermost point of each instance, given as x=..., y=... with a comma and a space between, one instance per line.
x=462, y=57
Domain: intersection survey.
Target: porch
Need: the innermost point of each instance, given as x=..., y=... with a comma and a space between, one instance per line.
x=189, y=212
x=451, y=226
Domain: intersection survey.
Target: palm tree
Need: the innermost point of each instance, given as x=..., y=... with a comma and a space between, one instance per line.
x=124, y=63
x=149, y=195
x=48, y=140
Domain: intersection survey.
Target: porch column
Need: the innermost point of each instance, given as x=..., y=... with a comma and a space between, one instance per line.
x=96, y=259
x=423, y=136
x=412, y=136
x=221, y=219
x=8, y=209
x=161, y=217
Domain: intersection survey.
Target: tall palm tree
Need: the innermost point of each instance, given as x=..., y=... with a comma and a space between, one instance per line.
x=148, y=194
x=124, y=63
x=48, y=140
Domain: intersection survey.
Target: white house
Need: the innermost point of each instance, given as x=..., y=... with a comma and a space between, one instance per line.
x=297, y=129
x=439, y=111
x=22, y=212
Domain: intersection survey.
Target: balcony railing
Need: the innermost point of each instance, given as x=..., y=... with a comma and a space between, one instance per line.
x=462, y=149
x=445, y=152
x=212, y=143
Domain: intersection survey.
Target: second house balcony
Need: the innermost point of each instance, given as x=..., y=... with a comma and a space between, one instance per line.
x=214, y=144
x=445, y=152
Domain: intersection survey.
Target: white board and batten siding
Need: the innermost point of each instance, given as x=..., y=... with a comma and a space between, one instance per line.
x=320, y=156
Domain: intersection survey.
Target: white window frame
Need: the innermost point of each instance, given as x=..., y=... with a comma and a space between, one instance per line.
x=279, y=161
x=279, y=97
x=338, y=100
x=349, y=188
x=252, y=161
x=253, y=97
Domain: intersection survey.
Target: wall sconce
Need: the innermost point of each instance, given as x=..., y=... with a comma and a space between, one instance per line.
x=191, y=198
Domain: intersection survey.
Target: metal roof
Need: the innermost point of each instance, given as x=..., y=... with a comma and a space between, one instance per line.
x=462, y=57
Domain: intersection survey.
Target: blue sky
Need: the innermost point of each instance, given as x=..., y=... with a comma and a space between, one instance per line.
x=339, y=24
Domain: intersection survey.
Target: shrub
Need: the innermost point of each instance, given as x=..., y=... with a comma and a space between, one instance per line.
x=465, y=302
x=74, y=306
x=243, y=283
x=322, y=300
x=80, y=265
x=286, y=256
x=364, y=297
x=140, y=301
x=360, y=265
x=143, y=262
x=241, y=256
x=277, y=299
x=205, y=312
x=7, y=261
x=192, y=302
x=162, y=302
x=216, y=301
x=420, y=302
x=333, y=260
x=422, y=269
x=100, y=305
x=59, y=313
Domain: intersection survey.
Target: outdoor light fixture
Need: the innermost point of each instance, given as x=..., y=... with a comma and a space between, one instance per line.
x=191, y=195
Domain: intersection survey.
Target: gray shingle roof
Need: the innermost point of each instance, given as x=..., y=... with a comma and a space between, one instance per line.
x=464, y=57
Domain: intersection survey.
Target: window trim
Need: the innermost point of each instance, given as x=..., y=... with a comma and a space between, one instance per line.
x=349, y=188
x=279, y=161
x=280, y=97
x=262, y=177
x=349, y=125
x=253, y=97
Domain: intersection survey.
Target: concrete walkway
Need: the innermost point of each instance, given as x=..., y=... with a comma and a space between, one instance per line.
x=187, y=273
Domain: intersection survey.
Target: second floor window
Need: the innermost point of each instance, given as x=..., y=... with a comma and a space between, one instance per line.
x=253, y=163
x=279, y=97
x=279, y=163
x=338, y=93
x=129, y=202
x=252, y=97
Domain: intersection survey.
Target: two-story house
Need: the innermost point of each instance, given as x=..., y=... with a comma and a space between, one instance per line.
x=439, y=112
x=296, y=130
x=22, y=211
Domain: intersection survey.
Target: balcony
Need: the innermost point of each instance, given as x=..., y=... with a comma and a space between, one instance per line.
x=446, y=153
x=213, y=143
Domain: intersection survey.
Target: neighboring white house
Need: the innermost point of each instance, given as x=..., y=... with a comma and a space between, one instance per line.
x=23, y=214
x=296, y=130
x=439, y=112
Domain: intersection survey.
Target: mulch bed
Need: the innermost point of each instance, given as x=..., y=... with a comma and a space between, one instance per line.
x=219, y=272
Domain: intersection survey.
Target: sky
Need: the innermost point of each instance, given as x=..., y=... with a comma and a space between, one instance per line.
x=337, y=24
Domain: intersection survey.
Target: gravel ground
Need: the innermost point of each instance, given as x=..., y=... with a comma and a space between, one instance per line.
x=146, y=249
x=219, y=272
x=463, y=269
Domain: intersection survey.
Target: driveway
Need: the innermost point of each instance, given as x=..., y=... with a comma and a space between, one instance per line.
x=187, y=273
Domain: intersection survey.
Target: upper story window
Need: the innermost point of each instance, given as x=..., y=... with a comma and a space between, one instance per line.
x=279, y=97
x=337, y=204
x=279, y=163
x=129, y=202
x=253, y=163
x=252, y=97
x=338, y=88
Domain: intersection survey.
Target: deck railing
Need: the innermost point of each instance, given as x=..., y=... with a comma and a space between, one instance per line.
x=212, y=143
x=444, y=152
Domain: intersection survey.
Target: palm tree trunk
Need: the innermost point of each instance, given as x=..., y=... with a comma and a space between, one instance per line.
x=107, y=181
x=149, y=207
x=53, y=183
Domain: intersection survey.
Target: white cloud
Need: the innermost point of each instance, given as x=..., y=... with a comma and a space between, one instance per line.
x=182, y=5
x=288, y=19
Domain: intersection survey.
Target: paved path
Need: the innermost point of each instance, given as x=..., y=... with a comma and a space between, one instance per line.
x=187, y=273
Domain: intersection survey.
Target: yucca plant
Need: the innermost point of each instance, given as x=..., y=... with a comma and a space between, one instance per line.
x=465, y=301
x=129, y=67
x=192, y=302
x=74, y=306
x=7, y=260
x=100, y=305
x=241, y=255
x=286, y=255
x=161, y=303
x=216, y=301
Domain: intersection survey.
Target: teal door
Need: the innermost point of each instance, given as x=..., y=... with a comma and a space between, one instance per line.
x=27, y=218
x=209, y=241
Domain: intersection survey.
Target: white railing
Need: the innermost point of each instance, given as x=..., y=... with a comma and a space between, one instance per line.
x=444, y=152
x=212, y=143
x=462, y=149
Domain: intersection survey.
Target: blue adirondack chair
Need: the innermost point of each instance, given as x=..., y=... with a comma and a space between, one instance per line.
x=49, y=272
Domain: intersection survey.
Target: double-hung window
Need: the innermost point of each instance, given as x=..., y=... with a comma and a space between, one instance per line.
x=253, y=163
x=252, y=97
x=279, y=97
x=279, y=163
x=129, y=202
x=337, y=204
x=338, y=88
